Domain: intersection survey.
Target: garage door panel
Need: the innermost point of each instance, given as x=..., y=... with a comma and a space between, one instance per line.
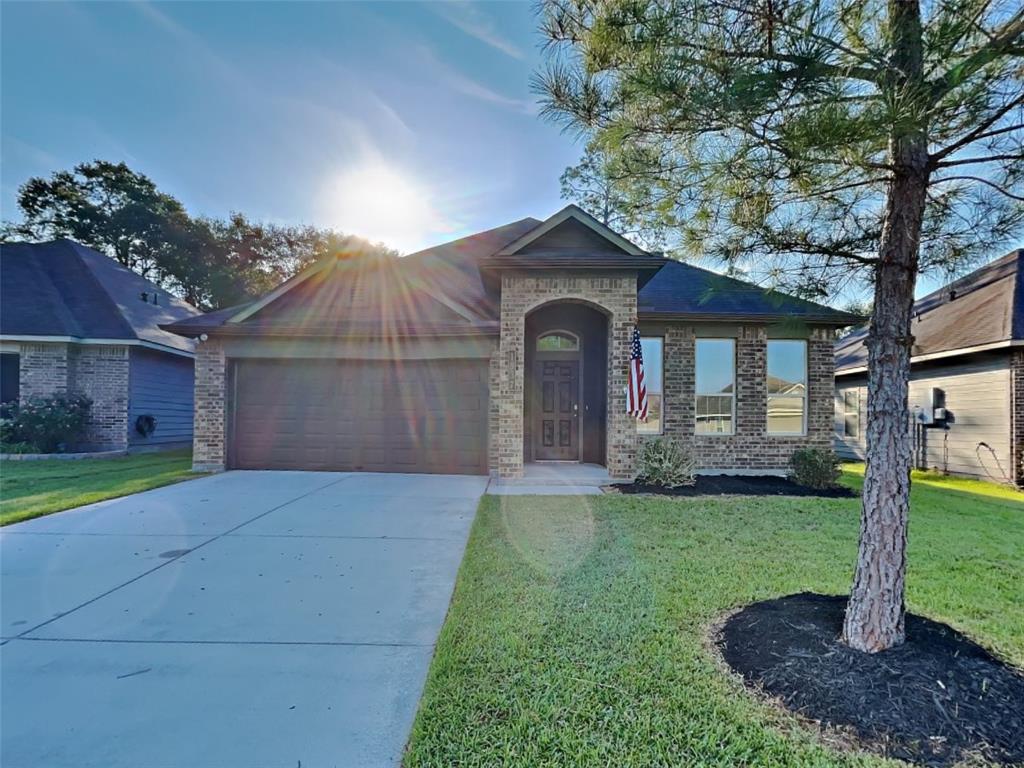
x=415, y=416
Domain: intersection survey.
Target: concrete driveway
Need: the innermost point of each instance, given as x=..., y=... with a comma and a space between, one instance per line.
x=247, y=619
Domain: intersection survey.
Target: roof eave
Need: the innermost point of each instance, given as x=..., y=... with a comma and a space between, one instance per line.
x=813, y=319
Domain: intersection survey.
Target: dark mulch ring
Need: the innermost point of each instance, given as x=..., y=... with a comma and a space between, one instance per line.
x=738, y=485
x=937, y=699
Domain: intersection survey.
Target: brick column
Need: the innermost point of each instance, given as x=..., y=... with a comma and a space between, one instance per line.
x=43, y=370
x=101, y=373
x=209, y=441
x=521, y=293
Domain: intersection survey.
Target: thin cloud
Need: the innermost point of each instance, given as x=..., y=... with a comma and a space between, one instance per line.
x=470, y=20
x=467, y=86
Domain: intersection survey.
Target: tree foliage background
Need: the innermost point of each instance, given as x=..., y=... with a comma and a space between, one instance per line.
x=756, y=134
x=209, y=262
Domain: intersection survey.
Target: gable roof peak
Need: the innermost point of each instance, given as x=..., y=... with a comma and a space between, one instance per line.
x=574, y=212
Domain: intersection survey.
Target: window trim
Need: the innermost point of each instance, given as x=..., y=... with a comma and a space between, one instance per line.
x=731, y=395
x=805, y=397
x=855, y=413
x=556, y=332
x=661, y=419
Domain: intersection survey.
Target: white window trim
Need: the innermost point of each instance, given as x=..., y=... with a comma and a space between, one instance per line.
x=846, y=414
x=805, y=397
x=696, y=394
x=661, y=420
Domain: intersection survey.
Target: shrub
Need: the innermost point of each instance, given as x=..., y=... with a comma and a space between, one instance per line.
x=48, y=424
x=665, y=462
x=815, y=468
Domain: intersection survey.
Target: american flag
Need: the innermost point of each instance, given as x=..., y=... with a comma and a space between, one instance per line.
x=636, y=394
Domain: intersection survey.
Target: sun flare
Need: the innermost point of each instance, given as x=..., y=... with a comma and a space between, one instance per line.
x=384, y=204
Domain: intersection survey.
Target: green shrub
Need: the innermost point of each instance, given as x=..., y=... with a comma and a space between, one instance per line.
x=663, y=461
x=17, y=448
x=815, y=468
x=47, y=424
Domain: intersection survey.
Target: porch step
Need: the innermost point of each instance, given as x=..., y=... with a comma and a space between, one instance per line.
x=558, y=473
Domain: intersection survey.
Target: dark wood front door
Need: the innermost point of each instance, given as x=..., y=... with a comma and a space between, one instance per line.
x=557, y=422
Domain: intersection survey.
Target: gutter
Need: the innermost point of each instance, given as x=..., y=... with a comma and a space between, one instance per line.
x=958, y=352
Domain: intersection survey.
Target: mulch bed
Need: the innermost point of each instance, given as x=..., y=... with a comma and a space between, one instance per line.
x=934, y=700
x=738, y=485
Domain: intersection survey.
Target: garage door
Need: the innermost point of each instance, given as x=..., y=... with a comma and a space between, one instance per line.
x=411, y=416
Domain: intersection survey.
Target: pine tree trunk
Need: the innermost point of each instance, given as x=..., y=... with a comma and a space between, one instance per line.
x=874, y=615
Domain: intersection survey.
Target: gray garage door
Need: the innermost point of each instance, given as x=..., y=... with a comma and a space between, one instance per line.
x=409, y=416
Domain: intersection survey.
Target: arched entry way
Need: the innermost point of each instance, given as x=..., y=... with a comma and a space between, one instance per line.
x=565, y=383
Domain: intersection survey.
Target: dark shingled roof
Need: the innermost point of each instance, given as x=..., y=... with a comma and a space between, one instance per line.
x=64, y=289
x=452, y=271
x=683, y=289
x=985, y=307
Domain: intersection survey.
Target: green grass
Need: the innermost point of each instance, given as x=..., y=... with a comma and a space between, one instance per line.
x=34, y=488
x=576, y=635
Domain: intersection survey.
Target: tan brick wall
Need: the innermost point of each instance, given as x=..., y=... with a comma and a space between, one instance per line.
x=43, y=370
x=100, y=372
x=750, y=448
x=209, y=436
x=521, y=293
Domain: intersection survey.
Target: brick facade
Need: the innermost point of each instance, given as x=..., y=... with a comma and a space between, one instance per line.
x=1017, y=414
x=750, y=447
x=100, y=372
x=614, y=294
x=209, y=435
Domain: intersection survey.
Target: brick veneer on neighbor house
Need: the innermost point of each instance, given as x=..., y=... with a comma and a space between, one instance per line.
x=100, y=372
x=1017, y=414
x=209, y=430
x=750, y=447
x=614, y=294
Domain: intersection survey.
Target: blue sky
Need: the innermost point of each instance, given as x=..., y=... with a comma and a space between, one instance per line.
x=291, y=112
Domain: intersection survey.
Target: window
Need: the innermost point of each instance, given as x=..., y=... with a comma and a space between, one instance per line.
x=654, y=359
x=787, y=387
x=558, y=341
x=716, y=384
x=9, y=377
x=851, y=413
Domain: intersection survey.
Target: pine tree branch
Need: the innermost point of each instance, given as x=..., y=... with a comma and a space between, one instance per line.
x=1004, y=41
x=980, y=180
x=981, y=131
x=976, y=160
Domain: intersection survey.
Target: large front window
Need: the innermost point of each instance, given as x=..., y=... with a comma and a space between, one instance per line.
x=787, y=387
x=715, y=386
x=653, y=352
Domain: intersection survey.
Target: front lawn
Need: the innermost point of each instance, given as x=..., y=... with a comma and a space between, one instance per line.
x=34, y=488
x=576, y=635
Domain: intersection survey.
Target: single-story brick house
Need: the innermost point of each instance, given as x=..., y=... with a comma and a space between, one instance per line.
x=966, y=377
x=507, y=347
x=73, y=321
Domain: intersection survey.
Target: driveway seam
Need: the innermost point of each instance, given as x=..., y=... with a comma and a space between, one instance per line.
x=172, y=560
x=129, y=641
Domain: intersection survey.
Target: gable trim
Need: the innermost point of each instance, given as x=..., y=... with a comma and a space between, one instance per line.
x=280, y=291
x=577, y=213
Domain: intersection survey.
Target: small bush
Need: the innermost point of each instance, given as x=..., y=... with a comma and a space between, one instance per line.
x=815, y=468
x=47, y=424
x=17, y=448
x=665, y=462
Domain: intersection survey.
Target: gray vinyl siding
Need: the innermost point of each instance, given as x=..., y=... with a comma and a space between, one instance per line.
x=977, y=441
x=161, y=385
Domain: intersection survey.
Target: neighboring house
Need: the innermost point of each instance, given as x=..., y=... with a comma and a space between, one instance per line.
x=507, y=347
x=73, y=321
x=968, y=361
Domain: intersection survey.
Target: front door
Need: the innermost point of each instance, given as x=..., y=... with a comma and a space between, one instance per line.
x=557, y=423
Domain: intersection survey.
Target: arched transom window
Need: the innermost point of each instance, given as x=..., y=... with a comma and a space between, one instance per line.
x=558, y=341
